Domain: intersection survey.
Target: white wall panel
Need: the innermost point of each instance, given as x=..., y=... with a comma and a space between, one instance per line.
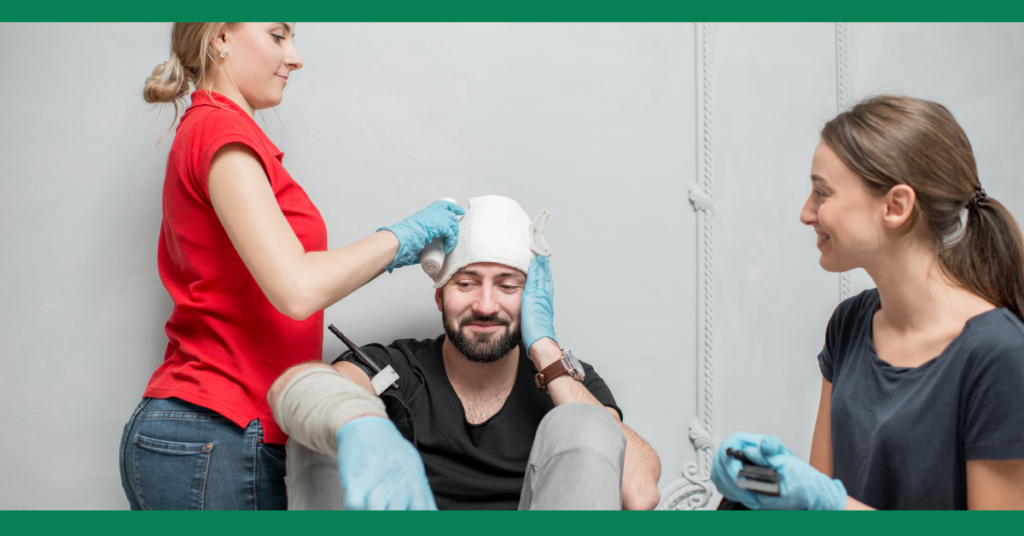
x=775, y=86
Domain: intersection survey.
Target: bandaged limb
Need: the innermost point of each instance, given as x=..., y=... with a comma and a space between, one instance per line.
x=317, y=402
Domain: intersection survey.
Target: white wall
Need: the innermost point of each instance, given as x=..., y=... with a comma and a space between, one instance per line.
x=595, y=122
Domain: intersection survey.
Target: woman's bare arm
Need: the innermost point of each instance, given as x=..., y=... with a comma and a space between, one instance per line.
x=821, y=441
x=297, y=283
x=995, y=484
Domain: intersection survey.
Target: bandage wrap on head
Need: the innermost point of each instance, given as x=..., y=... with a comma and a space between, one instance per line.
x=494, y=229
x=317, y=402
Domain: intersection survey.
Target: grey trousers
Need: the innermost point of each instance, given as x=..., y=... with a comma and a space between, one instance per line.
x=575, y=464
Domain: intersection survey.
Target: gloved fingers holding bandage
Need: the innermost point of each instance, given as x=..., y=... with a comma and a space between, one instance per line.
x=439, y=220
x=538, y=310
x=801, y=486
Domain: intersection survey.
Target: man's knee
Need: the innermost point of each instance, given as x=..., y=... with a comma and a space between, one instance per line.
x=576, y=462
x=582, y=426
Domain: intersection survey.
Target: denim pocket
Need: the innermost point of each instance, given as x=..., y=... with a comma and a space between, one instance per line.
x=170, y=475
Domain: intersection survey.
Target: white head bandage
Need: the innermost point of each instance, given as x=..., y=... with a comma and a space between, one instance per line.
x=494, y=229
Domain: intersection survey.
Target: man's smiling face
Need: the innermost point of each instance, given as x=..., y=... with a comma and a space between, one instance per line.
x=480, y=309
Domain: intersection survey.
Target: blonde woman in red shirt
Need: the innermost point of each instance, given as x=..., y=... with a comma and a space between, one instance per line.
x=243, y=254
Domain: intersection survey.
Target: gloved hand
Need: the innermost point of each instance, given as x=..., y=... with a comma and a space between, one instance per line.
x=380, y=469
x=440, y=219
x=538, y=310
x=802, y=487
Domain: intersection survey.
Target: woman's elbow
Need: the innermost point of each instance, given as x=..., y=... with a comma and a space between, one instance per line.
x=294, y=309
x=298, y=311
x=294, y=302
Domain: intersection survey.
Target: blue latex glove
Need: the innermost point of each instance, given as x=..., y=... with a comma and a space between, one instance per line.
x=538, y=309
x=802, y=487
x=380, y=469
x=440, y=219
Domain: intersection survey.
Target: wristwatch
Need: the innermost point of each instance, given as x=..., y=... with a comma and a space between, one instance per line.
x=568, y=364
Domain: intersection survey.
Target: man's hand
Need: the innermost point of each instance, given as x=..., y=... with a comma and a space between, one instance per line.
x=538, y=309
x=379, y=469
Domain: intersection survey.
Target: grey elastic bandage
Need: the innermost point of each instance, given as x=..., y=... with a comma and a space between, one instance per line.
x=317, y=402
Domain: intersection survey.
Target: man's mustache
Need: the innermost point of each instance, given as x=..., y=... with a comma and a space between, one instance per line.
x=490, y=319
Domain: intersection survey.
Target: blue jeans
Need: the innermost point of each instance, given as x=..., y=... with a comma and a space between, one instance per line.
x=180, y=456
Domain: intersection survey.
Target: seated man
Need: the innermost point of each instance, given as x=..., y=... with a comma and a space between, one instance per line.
x=470, y=413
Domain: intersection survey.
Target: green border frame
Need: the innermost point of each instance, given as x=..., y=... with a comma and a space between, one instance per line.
x=516, y=523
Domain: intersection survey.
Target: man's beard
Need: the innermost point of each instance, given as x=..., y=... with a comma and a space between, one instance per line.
x=483, y=347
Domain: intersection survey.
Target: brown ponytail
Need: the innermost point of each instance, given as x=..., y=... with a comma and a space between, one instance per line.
x=890, y=140
x=191, y=62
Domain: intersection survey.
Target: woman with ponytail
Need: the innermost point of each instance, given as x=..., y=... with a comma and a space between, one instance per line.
x=243, y=254
x=923, y=377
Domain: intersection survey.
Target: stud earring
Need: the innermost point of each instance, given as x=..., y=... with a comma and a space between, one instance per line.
x=223, y=53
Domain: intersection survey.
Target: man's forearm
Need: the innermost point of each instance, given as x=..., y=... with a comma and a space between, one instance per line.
x=640, y=473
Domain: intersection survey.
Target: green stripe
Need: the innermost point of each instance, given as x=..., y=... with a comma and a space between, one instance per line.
x=517, y=11
x=510, y=523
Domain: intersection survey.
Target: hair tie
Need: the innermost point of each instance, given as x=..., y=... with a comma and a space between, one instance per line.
x=980, y=198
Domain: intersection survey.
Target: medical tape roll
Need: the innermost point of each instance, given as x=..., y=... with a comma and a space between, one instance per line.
x=432, y=256
x=495, y=229
x=317, y=402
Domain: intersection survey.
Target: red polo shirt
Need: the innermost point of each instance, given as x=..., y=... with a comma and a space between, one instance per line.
x=227, y=342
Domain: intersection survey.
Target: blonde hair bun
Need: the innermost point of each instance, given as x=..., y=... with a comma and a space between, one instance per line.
x=167, y=84
x=191, y=64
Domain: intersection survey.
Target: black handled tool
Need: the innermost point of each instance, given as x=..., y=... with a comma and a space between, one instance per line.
x=753, y=477
x=363, y=358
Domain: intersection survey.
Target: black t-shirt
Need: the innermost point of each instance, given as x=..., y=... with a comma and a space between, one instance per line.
x=901, y=437
x=469, y=466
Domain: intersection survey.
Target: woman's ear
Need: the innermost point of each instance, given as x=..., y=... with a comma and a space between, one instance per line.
x=899, y=205
x=218, y=38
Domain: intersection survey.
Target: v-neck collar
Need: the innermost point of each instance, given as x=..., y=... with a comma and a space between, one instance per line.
x=449, y=389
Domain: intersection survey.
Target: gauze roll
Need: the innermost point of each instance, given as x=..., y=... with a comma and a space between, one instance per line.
x=317, y=402
x=494, y=229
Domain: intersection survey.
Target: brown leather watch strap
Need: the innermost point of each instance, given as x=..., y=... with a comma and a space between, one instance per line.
x=550, y=372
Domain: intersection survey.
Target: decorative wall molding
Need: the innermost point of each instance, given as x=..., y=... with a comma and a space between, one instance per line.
x=843, y=104
x=695, y=490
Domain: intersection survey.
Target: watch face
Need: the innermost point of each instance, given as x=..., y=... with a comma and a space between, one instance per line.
x=577, y=371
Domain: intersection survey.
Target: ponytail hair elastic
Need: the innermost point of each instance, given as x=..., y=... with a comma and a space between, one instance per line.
x=980, y=198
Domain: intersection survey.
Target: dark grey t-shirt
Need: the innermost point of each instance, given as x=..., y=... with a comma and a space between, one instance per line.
x=901, y=436
x=469, y=466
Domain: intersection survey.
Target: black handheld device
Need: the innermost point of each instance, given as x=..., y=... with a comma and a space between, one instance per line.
x=753, y=477
x=363, y=358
